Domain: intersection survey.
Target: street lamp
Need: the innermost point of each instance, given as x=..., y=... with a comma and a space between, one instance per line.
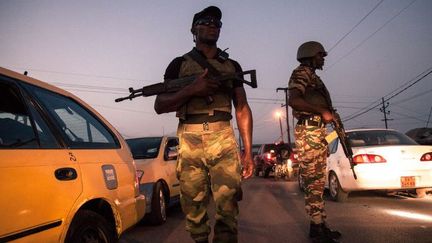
x=278, y=114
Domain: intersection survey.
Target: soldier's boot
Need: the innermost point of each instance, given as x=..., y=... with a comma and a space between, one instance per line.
x=319, y=235
x=200, y=238
x=334, y=234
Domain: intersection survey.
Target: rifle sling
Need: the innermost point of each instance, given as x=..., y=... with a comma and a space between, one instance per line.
x=197, y=57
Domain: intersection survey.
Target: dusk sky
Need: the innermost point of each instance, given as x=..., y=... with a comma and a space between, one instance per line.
x=98, y=49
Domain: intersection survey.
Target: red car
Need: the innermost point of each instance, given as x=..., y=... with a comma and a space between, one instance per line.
x=270, y=154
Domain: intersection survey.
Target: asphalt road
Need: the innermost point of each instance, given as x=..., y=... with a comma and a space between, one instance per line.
x=272, y=211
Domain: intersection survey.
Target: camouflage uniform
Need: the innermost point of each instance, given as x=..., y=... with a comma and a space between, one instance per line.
x=207, y=161
x=312, y=151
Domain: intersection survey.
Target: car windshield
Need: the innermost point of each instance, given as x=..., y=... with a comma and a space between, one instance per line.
x=378, y=138
x=144, y=148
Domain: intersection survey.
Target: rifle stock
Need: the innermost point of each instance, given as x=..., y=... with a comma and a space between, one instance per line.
x=175, y=85
x=340, y=130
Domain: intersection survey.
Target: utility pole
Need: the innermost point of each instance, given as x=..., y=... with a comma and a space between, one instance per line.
x=278, y=115
x=286, y=110
x=383, y=110
x=427, y=123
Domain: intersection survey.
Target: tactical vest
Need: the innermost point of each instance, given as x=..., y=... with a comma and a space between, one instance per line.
x=221, y=99
x=315, y=94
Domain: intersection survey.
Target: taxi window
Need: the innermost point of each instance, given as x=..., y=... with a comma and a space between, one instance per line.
x=79, y=127
x=20, y=129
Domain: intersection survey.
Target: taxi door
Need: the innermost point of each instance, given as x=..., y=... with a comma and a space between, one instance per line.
x=39, y=178
x=170, y=163
x=106, y=165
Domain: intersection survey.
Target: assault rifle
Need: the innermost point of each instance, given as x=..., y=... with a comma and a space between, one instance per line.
x=175, y=85
x=346, y=146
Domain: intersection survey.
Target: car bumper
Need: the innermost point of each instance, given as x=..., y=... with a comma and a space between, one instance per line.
x=147, y=190
x=141, y=205
x=378, y=180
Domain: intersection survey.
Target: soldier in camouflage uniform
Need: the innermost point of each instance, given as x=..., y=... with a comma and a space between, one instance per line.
x=209, y=163
x=310, y=102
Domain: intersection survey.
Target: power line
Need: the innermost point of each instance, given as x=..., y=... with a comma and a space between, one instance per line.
x=392, y=96
x=418, y=95
x=370, y=36
x=408, y=116
x=352, y=29
x=79, y=74
x=418, y=80
x=405, y=109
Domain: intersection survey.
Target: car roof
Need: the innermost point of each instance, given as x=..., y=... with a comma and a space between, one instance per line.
x=370, y=129
x=42, y=84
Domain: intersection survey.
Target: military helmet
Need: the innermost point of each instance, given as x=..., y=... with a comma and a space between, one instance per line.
x=310, y=49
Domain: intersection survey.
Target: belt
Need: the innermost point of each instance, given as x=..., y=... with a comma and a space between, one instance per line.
x=205, y=126
x=313, y=120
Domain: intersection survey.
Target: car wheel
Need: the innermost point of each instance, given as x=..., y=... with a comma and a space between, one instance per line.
x=88, y=226
x=256, y=172
x=336, y=192
x=158, y=205
x=267, y=172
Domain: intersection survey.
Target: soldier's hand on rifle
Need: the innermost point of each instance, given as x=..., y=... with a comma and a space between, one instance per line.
x=327, y=116
x=203, y=86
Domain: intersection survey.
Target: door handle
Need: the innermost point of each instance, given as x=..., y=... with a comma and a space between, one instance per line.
x=66, y=174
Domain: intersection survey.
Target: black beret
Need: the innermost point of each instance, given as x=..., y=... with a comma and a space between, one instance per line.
x=209, y=11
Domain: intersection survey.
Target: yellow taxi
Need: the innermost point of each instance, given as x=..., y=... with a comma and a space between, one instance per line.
x=66, y=175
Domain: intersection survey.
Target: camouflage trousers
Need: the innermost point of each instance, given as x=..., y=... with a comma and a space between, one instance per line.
x=312, y=154
x=209, y=165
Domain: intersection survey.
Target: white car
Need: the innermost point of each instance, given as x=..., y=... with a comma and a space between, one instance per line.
x=384, y=160
x=157, y=157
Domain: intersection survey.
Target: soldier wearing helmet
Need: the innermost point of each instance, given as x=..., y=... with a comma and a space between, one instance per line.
x=311, y=103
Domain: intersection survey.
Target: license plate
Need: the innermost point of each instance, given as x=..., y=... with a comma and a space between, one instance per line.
x=408, y=181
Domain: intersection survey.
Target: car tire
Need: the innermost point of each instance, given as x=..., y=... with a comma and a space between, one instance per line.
x=256, y=172
x=336, y=192
x=158, y=205
x=267, y=172
x=88, y=226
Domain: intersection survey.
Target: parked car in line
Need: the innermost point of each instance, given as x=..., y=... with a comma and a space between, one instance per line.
x=384, y=160
x=422, y=135
x=268, y=156
x=157, y=156
x=255, y=149
x=66, y=175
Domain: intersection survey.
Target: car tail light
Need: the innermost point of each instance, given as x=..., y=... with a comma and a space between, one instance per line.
x=368, y=158
x=268, y=156
x=426, y=157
